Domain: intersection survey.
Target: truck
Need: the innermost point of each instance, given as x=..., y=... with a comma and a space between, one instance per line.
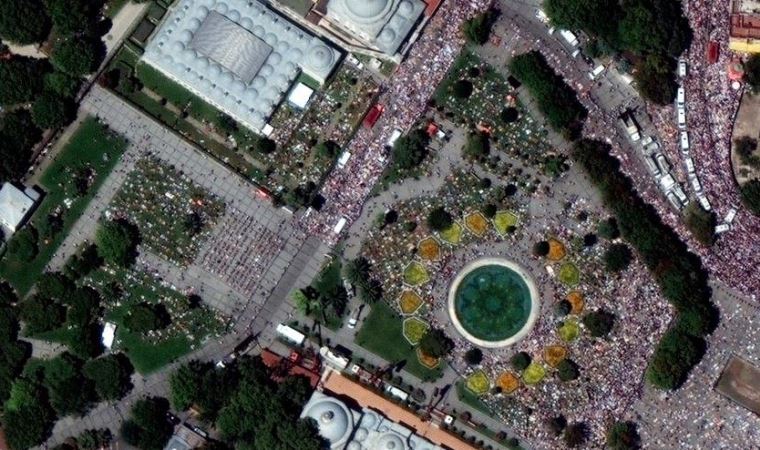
x=662, y=162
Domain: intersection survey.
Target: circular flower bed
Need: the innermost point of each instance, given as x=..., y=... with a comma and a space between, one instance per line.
x=508, y=382
x=478, y=383
x=452, y=234
x=409, y=302
x=476, y=223
x=569, y=330
x=429, y=249
x=557, y=250
x=569, y=274
x=503, y=220
x=533, y=374
x=414, y=330
x=415, y=274
x=554, y=354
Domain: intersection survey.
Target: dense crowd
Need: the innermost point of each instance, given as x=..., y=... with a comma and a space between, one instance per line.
x=405, y=98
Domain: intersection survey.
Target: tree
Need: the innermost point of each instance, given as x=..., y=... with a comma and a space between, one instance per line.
x=111, y=376
x=27, y=418
x=439, y=219
x=94, y=439
x=608, y=229
x=473, y=356
x=599, y=323
x=655, y=78
x=186, y=384
x=8, y=295
x=576, y=434
x=41, y=314
x=77, y=56
x=477, y=146
x=489, y=210
x=567, y=370
x=147, y=427
x=327, y=150
x=557, y=424
x=20, y=79
x=13, y=357
x=597, y=18
x=227, y=123
x=117, y=242
x=69, y=391
x=752, y=72
x=83, y=262
x=541, y=248
x=51, y=111
x=264, y=145
x=750, y=193
x=62, y=84
x=17, y=136
x=562, y=308
x=509, y=115
x=23, y=21
x=478, y=29
x=673, y=358
x=520, y=361
x=23, y=245
x=144, y=317
x=462, y=89
x=435, y=343
x=623, y=436
x=410, y=150
x=701, y=223
x=617, y=257
x=71, y=16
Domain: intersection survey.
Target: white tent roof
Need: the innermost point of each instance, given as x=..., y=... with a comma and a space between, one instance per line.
x=14, y=206
x=300, y=95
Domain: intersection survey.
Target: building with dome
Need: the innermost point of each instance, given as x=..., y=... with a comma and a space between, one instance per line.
x=384, y=25
x=238, y=55
x=371, y=422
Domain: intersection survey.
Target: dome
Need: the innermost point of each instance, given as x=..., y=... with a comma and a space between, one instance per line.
x=321, y=57
x=177, y=46
x=405, y=7
x=246, y=23
x=233, y=15
x=195, y=23
x=222, y=8
x=361, y=434
x=266, y=70
x=275, y=58
x=387, y=35
x=353, y=445
x=368, y=11
x=259, y=82
x=186, y=36
x=369, y=420
x=333, y=419
x=389, y=442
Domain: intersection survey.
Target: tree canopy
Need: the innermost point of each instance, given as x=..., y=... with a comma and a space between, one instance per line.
x=27, y=418
x=77, y=56
x=110, y=375
x=701, y=223
x=599, y=323
x=147, y=427
x=750, y=193
x=435, y=343
x=23, y=21
x=477, y=146
x=68, y=389
x=752, y=72
x=617, y=257
x=410, y=150
x=478, y=29
x=623, y=436
x=439, y=219
x=50, y=110
x=21, y=79
x=117, y=242
x=17, y=135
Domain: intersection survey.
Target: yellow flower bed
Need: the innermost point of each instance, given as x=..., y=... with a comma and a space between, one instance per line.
x=569, y=331
x=415, y=274
x=533, y=374
x=478, y=383
x=503, y=220
x=427, y=360
x=429, y=249
x=414, y=329
x=557, y=250
x=409, y=302
x=554, y=354
x=575, y=299
x=453, y=234
x=476, y=223
x=508, y=382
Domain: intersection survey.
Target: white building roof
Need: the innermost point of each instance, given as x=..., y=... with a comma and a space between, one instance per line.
x=109, y=333
x=384, y=24
x=238, y=55
x=300, y=95
x=14, y=206
x=291, y=334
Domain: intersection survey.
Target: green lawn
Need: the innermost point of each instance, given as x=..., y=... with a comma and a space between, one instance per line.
x=91, y=147
x=382, y=334
x=470, y=399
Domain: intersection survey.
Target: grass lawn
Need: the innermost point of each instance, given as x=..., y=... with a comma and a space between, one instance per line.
x=382, y=334
x=471, y=399
x=93, y=148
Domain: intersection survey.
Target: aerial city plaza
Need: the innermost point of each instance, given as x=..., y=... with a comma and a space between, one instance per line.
x=379, y=224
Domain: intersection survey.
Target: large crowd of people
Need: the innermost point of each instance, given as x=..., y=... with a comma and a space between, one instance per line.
x=404, y=98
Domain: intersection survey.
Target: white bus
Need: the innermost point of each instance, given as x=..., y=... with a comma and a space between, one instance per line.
x=673, y=200
x=652, y=167
x=681, y=67
x=594, y=74
x=681, y=118
x=684, y=142
x=689, y=165
x=678, y=190
x=662, y=162
x=681, y=96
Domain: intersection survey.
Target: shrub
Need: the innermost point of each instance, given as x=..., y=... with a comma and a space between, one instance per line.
x=463, y=89
x=541, y=248
x=473, y=356
x=623, y=436
x=520, y=361
x=439, y=219
x=617, y=257
x=599, y=323
x=567, y=370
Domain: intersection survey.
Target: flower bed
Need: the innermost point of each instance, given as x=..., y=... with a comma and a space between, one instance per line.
x=415, y=274
x=429, y=249
x=478, y=383
x=427, y=360
x=557, y=250
x=533, y=374
x=476, y=223
x=569, y=274
x=569, y=331
x=409, y=302
x=508, y=382
x=414, y=329
x=453, y=234
x=503, y=221
x=575, y=299
x=554, y=354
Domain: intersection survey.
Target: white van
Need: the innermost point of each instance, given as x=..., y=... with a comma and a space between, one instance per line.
x=681, y=118
x=696, y=185
x=681, y=96
x=704, y=202
x=730, y=216
x=681, y=68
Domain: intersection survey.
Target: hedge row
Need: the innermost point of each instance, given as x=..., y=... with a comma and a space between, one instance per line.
x=679, y=273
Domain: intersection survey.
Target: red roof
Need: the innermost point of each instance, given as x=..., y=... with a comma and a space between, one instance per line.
x=744, y=26
x=432, y=129
x=431, y=6
x=712, y=52
x=273, y=360
x=373, y=116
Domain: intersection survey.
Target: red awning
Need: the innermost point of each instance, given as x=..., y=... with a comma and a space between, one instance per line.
x=712, y=52
x=373, y=116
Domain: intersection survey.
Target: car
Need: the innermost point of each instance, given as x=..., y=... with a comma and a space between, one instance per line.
x=352, y=323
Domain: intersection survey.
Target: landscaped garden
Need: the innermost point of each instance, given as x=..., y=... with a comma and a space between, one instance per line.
x=414, y=330
x=415, y=274
x=504, y=221
x=70, y=182
x=534, y=374
x=453, y=234
x=172, y=213
x=410, y=302
x=569, y=274
x=478, y=383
